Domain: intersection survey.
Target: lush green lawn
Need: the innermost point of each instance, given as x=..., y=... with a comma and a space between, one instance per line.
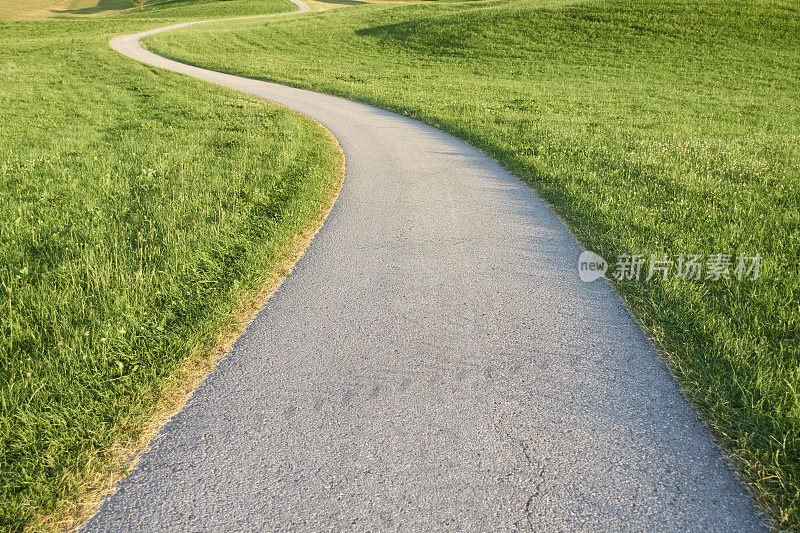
x=651, y=126
x=140, y=209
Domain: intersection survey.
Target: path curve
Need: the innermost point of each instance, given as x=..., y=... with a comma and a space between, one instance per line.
x=433, y=362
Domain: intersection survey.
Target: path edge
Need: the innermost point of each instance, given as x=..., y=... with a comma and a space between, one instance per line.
x=72, y=513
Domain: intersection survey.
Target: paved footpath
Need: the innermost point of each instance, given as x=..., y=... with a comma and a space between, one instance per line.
x=433, y=362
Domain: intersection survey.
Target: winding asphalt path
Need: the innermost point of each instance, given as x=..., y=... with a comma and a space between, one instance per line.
x=433, y=362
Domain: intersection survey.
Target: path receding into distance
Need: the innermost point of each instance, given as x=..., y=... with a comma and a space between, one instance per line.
x=433, y=362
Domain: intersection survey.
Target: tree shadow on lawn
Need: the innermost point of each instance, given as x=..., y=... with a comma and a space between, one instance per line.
x=342, y=2
x=102, y=5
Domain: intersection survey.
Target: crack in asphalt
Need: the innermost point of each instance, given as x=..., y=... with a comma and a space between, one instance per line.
x=539, y=470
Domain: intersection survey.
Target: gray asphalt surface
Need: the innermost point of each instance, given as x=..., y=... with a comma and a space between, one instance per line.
x=433, y=362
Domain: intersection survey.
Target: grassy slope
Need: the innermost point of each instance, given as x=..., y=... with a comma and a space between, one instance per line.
x=183, y=9
x=139, y=208
x=652, y=126
x=50, y=9
x=35, y=9
x=13, y=9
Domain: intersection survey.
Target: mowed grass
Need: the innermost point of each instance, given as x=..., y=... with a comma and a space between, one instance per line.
x=38, y=9
x=153, y=9
x=141, y=209
x=651, y=126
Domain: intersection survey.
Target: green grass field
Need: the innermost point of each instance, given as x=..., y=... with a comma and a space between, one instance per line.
x=141, y=210
x=652, y=126
x=153, y=9
x=144, y=208
x=39, y=9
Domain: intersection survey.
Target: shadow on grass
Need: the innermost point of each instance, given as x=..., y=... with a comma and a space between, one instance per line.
x=119, y=5
x=102, y=5
x=342, y=2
